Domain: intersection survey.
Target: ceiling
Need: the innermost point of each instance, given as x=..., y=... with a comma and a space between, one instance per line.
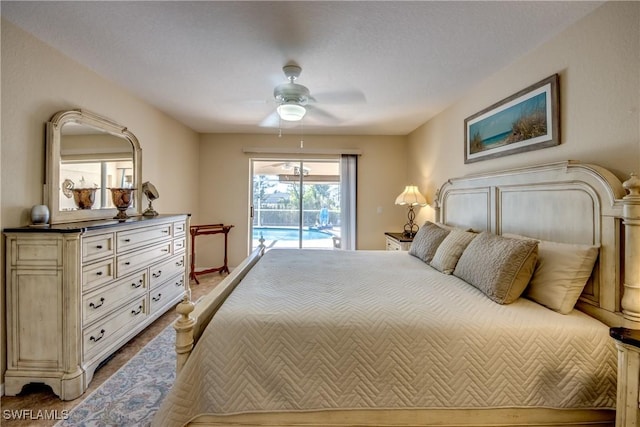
x=374, y=67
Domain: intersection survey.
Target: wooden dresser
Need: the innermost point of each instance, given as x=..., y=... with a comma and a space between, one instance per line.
x=76, y=292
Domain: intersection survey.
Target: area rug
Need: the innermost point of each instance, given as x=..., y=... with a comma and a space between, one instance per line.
x=132, y=395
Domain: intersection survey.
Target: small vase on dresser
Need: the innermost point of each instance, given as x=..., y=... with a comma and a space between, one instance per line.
x=76, y=292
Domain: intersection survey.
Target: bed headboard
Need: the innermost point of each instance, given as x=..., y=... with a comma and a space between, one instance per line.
x=566, y=202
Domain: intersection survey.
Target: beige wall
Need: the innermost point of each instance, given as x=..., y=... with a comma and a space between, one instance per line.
x=38, y=81
x=598, y=60
x=224, y=197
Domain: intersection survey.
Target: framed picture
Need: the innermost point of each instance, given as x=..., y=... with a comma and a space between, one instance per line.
x=528, y=120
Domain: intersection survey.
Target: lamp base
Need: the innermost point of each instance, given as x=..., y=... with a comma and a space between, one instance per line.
x=411, y=228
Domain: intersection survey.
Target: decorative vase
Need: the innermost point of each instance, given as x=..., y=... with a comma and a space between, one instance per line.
x=40, y=214
x=122, y=199
x=84, y=197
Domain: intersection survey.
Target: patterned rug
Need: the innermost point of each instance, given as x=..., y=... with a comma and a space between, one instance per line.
x=132, y=395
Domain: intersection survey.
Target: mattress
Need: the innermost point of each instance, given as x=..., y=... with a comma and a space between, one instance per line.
x=317, y=330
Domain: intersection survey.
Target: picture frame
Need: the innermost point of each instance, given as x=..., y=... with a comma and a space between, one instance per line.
x=525, y=121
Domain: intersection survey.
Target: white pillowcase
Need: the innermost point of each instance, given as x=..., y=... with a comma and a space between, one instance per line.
x=561, y=273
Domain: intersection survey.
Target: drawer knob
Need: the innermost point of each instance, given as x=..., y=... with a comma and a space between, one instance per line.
x=99, y=273
x=94, y=339
x=127, y=263
x=165, y=250
x=165, y=231
x=94, y=306
x=136, y=285
x=99, y=247
x=136, y=312
x=156, y=275
x=180, y=282
x=127, y=240
x=156, y=299
x=180, y=263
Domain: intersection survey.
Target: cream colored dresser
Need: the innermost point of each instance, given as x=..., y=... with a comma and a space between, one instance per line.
x=76, y=292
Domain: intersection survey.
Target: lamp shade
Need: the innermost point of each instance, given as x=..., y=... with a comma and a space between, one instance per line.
x=411, y=196
x=291, y=111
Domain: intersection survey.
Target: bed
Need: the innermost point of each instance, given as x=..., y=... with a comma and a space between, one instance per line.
x=425, y=338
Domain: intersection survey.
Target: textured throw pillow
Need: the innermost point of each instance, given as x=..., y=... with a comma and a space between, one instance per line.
x=426, y=241
x=449, y=251
x=500, y=267
x=561, y=273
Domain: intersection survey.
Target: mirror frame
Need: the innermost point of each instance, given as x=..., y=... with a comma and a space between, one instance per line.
x=52, y=172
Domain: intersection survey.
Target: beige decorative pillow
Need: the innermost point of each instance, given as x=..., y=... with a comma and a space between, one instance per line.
x=500, y=267
x=426, y=241
x=561, y=273
x=449, y=251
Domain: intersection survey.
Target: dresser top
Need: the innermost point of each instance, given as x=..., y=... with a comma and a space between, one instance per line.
x=82, y=226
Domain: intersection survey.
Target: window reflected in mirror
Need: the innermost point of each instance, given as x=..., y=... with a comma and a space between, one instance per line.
x=99, y=175
x=91, y=162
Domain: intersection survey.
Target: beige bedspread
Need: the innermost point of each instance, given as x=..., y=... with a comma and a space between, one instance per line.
x=314, y=329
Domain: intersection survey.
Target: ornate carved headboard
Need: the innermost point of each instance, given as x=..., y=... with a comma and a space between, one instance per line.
x=566, y=202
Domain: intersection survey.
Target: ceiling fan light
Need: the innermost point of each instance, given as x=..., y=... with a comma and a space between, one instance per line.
x=291, y=112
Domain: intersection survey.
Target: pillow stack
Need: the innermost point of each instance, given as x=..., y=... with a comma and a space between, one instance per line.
x=505, y=267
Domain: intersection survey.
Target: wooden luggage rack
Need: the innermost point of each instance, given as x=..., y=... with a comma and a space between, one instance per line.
x=207, y=229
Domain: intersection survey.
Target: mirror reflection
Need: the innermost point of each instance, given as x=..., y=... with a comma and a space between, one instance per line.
x=89, y=158
x=91, y=162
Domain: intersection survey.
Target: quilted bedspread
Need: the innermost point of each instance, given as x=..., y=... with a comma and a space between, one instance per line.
x=312, y=329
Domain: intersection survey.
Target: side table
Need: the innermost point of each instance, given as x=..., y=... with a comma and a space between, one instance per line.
x=207, y=229
x=398, y=241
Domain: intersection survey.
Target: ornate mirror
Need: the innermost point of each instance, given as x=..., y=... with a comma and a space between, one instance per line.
x=87, y=155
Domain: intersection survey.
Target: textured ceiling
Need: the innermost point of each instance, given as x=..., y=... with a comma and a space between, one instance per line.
x=380, y=68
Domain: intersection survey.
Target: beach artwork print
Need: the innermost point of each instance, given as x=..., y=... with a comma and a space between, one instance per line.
x=525, y=121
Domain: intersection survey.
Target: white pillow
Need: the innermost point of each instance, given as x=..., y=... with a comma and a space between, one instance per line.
x=561, y=273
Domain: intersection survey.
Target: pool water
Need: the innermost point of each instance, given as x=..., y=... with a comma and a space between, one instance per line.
x=270, y=234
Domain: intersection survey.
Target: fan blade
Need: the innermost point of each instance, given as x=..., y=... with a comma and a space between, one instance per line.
x=321, y=114
x=271, y=121
x=340, y=97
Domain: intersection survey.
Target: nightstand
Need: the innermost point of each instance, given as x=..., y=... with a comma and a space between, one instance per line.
x=398, y=241
x=628, y=344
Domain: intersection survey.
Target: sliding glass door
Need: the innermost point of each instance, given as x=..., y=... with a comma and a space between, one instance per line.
x=296, y=203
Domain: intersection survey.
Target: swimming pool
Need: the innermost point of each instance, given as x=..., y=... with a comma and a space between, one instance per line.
x=280, y=233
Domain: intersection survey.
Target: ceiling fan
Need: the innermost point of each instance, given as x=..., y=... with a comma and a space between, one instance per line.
x=294, y=101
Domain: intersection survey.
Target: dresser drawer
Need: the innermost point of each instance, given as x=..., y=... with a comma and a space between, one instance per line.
x=105, y=299
x=161, y=272
x=179, y=245
x=167, y=293
x=96, y=247
x=139, y=259
x=100, y=336
x=393, y=245
x=179, y=228
x=139, y=237
x=40, y=252
x=99, y=273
